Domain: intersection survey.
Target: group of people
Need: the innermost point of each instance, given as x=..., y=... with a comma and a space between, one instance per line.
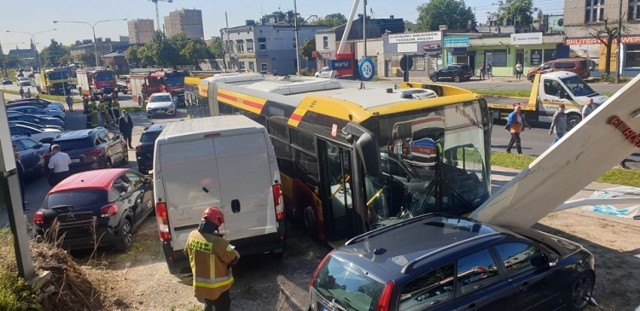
x=486, y=71
x=26, y=94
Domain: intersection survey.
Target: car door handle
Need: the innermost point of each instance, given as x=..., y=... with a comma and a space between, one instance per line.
x=235, y=206
x=524, y=286
x=471, y=307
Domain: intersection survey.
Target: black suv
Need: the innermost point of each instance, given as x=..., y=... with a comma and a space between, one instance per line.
x=93, y=149
x=438, y=262
x=144, y=150
x=455, y=72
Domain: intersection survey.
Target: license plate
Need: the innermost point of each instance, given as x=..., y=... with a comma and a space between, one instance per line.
x=75, y=160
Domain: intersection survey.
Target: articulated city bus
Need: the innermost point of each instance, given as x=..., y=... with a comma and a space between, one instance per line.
x=335, y=143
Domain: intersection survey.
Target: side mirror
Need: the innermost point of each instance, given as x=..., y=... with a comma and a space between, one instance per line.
x=552, y=259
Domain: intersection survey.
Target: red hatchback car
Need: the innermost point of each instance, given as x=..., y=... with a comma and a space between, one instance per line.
x=101, y=205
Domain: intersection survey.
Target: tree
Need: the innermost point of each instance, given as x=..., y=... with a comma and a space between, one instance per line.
x=510, y=11
x=307, y=49
x=87, y=59
x=194, y=51
x=217, y=47
x=453, y=13
x=162, y=51
x=331, y=20
x=133, y=55
x=51, y=56
x=606, y=33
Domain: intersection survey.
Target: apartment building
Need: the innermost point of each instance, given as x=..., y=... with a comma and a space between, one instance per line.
x=584, y=20
x=140, y=31
x=267, y=47
x=186, y=21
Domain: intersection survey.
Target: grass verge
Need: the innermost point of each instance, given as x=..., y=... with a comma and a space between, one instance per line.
x=57, y=98
x=629, y=177
x=15, y=295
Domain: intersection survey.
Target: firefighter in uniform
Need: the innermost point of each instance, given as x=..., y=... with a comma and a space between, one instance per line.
x=211, y=258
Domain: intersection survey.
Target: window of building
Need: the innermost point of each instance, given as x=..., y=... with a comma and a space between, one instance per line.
x=240, y=46
x=249, y=45
x=230, y=46
x=252, y=66
x=632, y=55
x=634, y=10
x=497, y=58
x=262, y=44
x=325, y=42
x=594, y=11
x=263, y=68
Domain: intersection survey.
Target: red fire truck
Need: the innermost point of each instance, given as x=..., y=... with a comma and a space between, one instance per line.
x=96, y=81
x=143, y=83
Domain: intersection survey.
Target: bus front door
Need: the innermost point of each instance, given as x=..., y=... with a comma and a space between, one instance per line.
x=338, y=195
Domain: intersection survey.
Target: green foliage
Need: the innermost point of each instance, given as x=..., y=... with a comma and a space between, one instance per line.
x=169, y=52
x=307, y=48
x=194, y=51
x=132, y=54
x=502, y=92
x=87, y=59
x=217, y=47
x=521, y=10
x=52, y=56
x=15, y=295
x=453, y=13
x=331, y=20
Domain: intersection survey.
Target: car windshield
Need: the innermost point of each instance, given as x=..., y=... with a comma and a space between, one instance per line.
x=348, y=286
x=160, y=98
x=77, y=199
x=74, y=144
x=174, y=80
x=149, y=137
x=58, y=75
x=578, y=87
x=104, y=76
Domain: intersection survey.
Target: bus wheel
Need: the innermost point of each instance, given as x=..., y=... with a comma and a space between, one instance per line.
x=309, y=218
x=573, y=119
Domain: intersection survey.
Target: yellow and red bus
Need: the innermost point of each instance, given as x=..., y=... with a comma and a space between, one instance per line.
x=335, y=143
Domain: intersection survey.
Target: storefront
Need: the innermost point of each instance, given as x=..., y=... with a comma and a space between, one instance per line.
x=629, y=47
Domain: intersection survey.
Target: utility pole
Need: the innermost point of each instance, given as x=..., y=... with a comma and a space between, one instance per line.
x=618, y=52
x=295, y=28
x=225, y=43
x=158, y=12
x=364, y=29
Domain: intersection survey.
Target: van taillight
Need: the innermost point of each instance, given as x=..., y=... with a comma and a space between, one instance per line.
x=315, y=273
x=109, y=210
x=385, y=297
x=277, y=201
x=163, y=221
x=93, y=152
x=38, y=217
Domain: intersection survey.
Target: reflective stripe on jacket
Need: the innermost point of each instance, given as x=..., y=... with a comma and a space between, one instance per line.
x=209, y=257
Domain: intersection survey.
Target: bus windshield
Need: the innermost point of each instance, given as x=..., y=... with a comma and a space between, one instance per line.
x=104, y=76
x=436, y=159
x=57, y=75
x=176, y=80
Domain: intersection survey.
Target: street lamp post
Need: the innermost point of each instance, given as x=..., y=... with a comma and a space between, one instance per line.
x=93, y=29
x=33, y=40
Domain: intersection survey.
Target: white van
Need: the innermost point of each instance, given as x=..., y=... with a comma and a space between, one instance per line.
x=224, y=161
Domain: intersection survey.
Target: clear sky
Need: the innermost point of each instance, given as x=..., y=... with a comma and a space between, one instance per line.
x=38, y=15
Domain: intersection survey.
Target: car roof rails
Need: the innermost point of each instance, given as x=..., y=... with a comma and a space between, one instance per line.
x=384, y=229
x=149, y=125
x=409, y=266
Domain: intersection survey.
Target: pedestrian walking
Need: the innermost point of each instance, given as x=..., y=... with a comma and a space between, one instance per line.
x=85, y=104
x=21, y=92
x=211, y=258
x=519, y=70
x=28, y=93
x=588, y=108
x=126, y=127
x=482, y=71
x=559, y=125
x=58, y=165
x=21, y=177
x=80, y=91
x=489, y=73
x=515, y=125
x=69, y=101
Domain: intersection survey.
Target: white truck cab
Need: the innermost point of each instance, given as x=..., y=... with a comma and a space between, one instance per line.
x=227, y=162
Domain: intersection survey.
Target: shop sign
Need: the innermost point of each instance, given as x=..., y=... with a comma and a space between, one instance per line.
x=594, y=41
x=526, y=38
x=415, y=37
x=456, y=42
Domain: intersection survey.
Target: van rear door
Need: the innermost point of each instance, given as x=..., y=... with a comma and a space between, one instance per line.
x=190, y=181
x=245, y=176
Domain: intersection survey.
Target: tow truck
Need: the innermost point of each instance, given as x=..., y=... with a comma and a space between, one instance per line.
x=549, y=90
x=143, y=83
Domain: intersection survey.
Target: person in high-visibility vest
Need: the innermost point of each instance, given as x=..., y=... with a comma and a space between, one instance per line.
x=211, y=258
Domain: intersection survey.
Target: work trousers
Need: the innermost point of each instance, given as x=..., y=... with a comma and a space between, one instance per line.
x=223, y=303
x=515, y=139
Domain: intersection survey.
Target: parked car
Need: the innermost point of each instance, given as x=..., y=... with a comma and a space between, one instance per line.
x=22, y=81
x=161, y=103
x=37, y=111
x=144, y=150
x=93, y=149
x=437, y=262
x=453, y=72
x=37, y=125
x=6, y=81
x=40, y=135
x=36, y=102
x=118, y=199
x=39, y=119
x=579, y=66
x=324, y=72
x=31, y=155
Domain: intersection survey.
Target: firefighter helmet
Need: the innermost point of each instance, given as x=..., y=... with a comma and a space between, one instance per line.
x=214, y=215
